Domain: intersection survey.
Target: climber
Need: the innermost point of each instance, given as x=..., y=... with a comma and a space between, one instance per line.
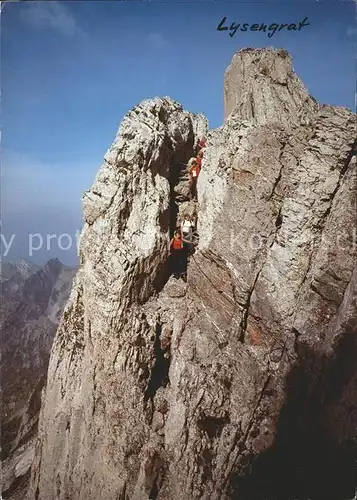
x=190, y=162
x=194, y=173
x=187, y=229
x=199, y=158
x=178, y=255
x=202, y=143
x=194, y=221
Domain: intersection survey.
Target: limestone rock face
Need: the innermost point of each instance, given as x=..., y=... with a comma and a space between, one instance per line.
x=261, y=87
x=32, y=300
x=161, y=389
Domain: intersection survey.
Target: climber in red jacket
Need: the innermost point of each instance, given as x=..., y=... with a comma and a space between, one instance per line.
x=194, y=173
x=178, y=255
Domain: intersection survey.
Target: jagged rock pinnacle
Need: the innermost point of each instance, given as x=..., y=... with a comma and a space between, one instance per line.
x=260, y=85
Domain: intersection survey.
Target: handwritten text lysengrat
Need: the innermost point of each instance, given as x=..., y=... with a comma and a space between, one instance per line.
x=272, y=28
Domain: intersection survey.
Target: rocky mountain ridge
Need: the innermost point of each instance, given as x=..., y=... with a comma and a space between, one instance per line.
x=239, y=383
x=32, y=299
x=19, y=269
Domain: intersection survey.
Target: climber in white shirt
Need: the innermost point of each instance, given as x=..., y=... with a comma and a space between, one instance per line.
x=187, y=227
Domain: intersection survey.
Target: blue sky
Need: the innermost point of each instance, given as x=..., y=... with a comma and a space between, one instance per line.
x=71, y=70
